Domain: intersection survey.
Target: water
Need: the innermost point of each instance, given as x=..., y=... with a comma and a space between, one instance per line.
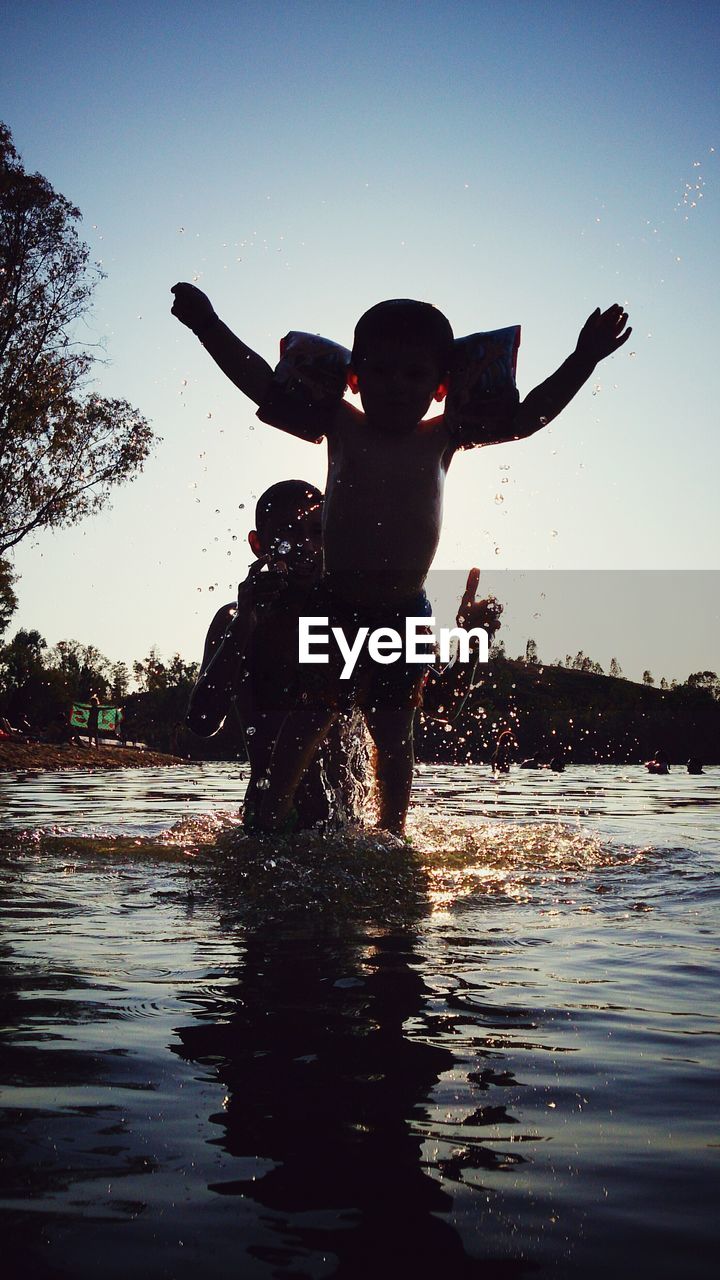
x=492, y=1053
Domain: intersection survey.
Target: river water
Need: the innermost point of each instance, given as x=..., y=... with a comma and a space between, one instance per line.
x=492, y=1052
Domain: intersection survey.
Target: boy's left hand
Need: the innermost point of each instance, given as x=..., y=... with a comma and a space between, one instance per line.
x=603, y=333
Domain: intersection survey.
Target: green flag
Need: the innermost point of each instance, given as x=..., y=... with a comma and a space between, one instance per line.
x=109, y=719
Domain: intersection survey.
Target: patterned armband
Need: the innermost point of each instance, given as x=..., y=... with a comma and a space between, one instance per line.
x=308, y=384
x=481, y=384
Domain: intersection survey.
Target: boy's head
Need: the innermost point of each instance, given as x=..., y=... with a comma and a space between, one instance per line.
x=288, y=526
x=400, y=360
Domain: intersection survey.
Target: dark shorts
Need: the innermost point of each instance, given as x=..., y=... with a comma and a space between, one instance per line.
x=372, y=684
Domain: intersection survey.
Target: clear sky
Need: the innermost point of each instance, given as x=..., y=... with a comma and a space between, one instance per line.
x=513, y=162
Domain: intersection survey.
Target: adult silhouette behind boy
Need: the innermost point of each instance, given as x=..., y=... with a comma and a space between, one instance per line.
x=383, y=506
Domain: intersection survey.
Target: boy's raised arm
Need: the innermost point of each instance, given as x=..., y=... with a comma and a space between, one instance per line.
x=603, y=333
x=239, y=363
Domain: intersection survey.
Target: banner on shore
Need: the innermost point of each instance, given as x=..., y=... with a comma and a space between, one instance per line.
x=109, y=719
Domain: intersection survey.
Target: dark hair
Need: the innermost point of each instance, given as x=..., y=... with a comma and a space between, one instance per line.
x=279, y=497
x=407, y=320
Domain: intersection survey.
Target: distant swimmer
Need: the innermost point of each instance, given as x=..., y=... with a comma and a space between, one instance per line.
x=658, y=764
x=694, y=765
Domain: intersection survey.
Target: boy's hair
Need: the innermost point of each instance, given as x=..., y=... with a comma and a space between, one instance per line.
x=279, y=497
x=404, y=319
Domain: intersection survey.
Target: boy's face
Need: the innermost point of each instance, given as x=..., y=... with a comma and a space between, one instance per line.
x=398, y=381
x=295, y=538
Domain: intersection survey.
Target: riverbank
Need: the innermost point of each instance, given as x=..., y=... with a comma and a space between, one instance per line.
x=51, y=757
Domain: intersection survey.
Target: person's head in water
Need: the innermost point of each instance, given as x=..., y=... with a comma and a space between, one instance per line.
x=400, y=361
x=288, y=527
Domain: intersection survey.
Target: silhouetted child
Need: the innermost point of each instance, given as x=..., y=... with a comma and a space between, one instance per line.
x=383, y=504
x=250, y=661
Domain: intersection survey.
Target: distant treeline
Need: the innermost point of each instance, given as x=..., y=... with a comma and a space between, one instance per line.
x=572, y=709
x=588, y=717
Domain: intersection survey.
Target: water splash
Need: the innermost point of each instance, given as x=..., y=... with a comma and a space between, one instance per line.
x=353, y=873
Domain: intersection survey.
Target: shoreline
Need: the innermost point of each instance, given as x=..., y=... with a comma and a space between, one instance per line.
x=47, y=757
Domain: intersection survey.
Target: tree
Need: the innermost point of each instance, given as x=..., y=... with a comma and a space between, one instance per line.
x=615, y=669
x=61, y=450
x=705, y=680
x=120, y=681
x=82, y=668
x=8, y=599
x=531, y=654
x=22, y=658
x=648, y=677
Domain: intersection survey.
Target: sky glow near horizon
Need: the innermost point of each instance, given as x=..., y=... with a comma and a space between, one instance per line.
x=511, y=162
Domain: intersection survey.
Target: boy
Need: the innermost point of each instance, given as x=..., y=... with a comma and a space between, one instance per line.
x=383, y=505
x=250, y=660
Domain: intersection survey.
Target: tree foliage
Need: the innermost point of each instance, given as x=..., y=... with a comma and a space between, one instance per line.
x=62, y=449
x=8, y=599
x=531, y=653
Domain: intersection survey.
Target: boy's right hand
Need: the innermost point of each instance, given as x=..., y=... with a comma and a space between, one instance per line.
x=603, y=333
x=193, y=308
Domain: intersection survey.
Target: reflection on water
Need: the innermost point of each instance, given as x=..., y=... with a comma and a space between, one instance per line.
x=491, y=1052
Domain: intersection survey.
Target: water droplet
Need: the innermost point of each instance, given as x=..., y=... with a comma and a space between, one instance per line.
x=284, y=548
x=241, y=506
x=553, y=533
x=211, y=588
x=250, y=730
x=499, y=498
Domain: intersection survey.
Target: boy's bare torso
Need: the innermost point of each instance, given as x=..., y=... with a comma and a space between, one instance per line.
x=383, y=506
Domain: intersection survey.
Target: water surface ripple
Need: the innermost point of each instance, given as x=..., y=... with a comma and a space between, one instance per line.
x=492, y=1052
